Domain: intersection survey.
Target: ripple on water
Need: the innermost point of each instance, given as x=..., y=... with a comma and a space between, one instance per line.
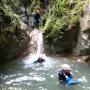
x=26, y=78
x=44, y=77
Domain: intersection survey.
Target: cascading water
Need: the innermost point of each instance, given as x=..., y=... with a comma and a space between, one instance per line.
x=40, y=43
x=36, y=42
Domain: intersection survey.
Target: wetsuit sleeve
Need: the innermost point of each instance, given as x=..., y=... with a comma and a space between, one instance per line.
x=61, y=76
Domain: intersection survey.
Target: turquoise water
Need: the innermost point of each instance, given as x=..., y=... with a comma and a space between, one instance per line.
x=22, y=74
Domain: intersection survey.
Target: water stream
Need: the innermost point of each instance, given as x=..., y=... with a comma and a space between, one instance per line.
x=36, y=42
x=22, y=74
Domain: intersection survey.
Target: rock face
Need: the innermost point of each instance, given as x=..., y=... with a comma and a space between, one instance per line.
x=73, y=38
x=83, y=46
x=67, y=41
x=13, y=36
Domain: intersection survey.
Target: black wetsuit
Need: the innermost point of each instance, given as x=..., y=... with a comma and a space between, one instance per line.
x=61, y=75
x=40, y=60
x=37, y=19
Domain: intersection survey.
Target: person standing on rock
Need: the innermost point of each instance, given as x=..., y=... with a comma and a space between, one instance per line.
x=36, y=18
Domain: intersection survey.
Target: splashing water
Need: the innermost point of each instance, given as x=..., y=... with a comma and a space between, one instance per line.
x=83, y=79
x=21, y=75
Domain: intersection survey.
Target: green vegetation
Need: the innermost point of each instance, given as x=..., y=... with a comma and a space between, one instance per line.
x=62, y=16
x=13, y=40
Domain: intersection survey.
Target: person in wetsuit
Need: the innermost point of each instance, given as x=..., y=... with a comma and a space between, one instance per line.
x=65, y=73
x=39, y=60
x=36, y=18
x=66, y=76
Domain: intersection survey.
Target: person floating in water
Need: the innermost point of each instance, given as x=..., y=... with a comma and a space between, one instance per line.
x=39, y=60
x=66, y=76
x=36, y=18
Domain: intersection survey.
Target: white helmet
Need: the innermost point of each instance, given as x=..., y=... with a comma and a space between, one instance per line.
x=65, y=67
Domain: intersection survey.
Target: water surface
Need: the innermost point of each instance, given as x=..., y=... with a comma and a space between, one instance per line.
x=22, y=74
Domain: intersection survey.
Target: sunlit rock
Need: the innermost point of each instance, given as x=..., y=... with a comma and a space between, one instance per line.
x=83, y=45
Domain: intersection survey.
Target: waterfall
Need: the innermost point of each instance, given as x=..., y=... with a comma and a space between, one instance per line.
x=36, y=42
x=40, y=43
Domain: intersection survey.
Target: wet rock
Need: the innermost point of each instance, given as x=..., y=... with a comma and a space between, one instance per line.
x=83, y=45
x=86, y=58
